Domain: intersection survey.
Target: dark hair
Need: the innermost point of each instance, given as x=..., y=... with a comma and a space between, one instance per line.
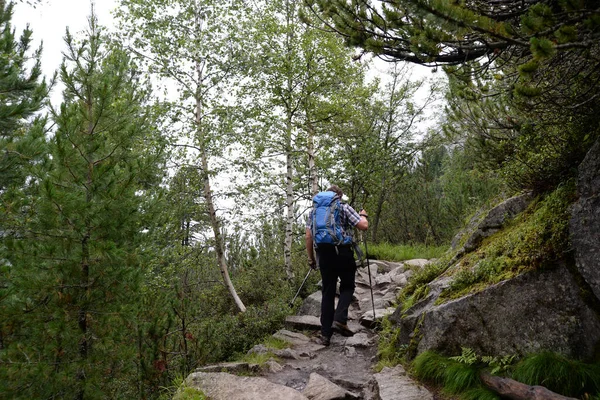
x=336, y=189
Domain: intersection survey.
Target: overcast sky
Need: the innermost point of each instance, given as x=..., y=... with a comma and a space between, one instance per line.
x=49, y=21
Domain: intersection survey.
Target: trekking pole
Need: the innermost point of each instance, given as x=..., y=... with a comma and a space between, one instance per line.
x=370, y=284
x=301, y=286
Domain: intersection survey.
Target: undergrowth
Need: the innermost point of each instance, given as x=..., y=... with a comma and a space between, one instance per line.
x=395, y=252
x=389, y=351
x=559, y=374
x=459, y=375
x=455, y=377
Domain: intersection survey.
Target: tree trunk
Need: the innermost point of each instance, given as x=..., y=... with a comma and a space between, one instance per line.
x=289, y=201
x=289, y=183
x=514, y=390
x=380, y=202
x=214, y=221
x=314, y=179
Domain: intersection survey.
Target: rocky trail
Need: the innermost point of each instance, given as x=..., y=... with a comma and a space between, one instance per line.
x=308, y=370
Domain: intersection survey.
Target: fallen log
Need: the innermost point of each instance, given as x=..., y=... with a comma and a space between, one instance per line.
x=515, y=390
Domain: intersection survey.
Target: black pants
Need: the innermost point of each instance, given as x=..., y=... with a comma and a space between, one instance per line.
x=334, y=264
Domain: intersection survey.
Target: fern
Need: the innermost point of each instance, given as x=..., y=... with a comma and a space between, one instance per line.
x=468, y=356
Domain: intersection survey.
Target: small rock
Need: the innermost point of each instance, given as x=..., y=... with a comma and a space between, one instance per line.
x=417, y=262
x=273, y=366
x=359, y=340
x=303, y=322
x=393, y=384
x=320, y=388
x=367, y=318
x=294, y=338
x=349, y=351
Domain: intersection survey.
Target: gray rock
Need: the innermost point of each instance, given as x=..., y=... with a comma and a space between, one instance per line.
x=394, y=384
x=541, y=310
x=223, y=386
x=416, y=262
x=367, y=319
x=272, y=366
x=360, y=340
x=320, y=388
x=584, y=227
x=496, y=218
x=288, y=354
x=259, y=349
x=233, y=367
x=303, y=322
x=294, y=338
x=312, y=305
x=349, y=351
x=383, y=279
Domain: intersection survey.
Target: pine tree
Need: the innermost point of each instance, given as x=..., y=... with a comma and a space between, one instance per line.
x=74, y=270
x=21, y=95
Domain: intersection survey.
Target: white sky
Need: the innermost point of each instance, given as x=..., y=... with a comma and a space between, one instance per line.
x=49, y=21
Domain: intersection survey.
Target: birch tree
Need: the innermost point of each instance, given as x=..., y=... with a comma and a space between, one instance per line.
x=195, y=48
x=302, y=78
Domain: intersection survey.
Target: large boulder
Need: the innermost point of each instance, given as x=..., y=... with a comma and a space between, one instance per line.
x=585, y=220
x=224, y=386
x=540, y=310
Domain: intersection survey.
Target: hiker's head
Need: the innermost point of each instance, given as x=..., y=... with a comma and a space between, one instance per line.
x=336, y=189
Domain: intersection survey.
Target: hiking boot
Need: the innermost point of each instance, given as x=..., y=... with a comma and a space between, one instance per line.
x=342, y=329
x=324, y=340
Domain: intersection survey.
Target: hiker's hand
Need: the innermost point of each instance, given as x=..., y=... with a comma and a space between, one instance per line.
x=313, y=264
x=363, y=213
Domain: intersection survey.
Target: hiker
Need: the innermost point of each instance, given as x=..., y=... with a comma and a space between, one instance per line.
x=333, y=246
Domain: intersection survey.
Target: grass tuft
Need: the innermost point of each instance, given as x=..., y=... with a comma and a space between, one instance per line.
x=479, y=393
x=389, y=350
x=430, y=367
x=559, y=374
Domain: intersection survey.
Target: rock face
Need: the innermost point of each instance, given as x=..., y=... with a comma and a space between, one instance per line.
x=494, y=221
x=585, y=220
x=541, y=310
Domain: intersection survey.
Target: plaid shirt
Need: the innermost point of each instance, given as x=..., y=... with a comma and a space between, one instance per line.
x=348, y=218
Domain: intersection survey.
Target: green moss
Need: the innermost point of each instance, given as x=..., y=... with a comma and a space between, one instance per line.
x=536, y=239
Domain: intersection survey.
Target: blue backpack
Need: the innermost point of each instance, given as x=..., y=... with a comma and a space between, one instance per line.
x=326, y=225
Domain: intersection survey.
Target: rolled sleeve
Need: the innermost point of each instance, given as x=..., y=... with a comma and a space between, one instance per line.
x=351, y=215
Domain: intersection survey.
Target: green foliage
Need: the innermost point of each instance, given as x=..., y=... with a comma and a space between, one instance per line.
x=417, y=288
x=468, y=356
x=535, y=239
x=559, y=374
x=456, y=375
x=74, y=273
x=275, y=343
x=389, y=350
x=397, y=252
x=258, y=358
